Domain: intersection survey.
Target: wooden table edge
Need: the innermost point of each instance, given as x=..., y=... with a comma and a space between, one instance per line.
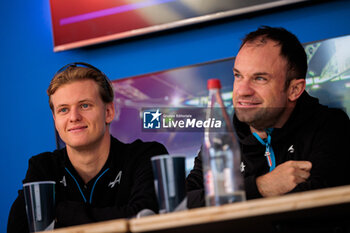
x=273, y=205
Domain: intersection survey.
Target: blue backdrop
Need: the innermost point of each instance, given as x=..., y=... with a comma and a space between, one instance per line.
x=28, y=63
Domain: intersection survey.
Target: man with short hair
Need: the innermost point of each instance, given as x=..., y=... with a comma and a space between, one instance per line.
x=97, y=177
x=289, y=142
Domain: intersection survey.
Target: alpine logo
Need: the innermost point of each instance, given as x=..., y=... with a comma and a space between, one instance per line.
x=291, y=149
x=242, y=167
x=63, y=181
x=116, y=180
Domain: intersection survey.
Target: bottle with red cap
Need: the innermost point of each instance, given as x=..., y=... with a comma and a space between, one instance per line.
x=221, y=157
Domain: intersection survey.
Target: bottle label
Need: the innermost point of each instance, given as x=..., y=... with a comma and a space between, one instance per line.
x=209, y=183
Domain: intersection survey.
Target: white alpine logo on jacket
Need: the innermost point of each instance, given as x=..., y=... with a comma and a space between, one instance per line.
x=116, y=180
x=63, y=181
x=242, y=167
x=291, y=149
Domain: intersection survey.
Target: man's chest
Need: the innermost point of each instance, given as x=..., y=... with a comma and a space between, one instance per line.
x=110, y=186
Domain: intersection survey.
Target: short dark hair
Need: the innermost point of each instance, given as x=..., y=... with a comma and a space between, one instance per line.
x=72, y=72
x=291, y=49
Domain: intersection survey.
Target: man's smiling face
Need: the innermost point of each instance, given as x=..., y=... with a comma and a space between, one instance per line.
x=259, y=94
x=80, y=115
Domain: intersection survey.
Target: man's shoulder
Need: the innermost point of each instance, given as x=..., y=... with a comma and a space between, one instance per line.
x=48, y=157
x=325, y=121
x=44, y=166
x=140, y=143
x=139, y=147
x=152, y=146
x=331, y=115
x=312, y=107
x=336, y=113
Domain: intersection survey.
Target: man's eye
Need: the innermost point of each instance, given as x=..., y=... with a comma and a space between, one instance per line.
x=85, y=105
x=236, y=75
x=259, y=78
x=62, y=110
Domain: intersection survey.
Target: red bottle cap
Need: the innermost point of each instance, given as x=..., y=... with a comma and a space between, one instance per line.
x=214, y=83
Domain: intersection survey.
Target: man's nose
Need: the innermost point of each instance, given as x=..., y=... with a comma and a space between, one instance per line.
x=75, y=114
x=243, y=88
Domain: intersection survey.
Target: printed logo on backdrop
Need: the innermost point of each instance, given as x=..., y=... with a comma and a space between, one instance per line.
x=152, y=119
x=180, y=120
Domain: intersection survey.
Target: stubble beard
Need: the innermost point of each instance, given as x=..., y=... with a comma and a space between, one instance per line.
x=260, y=118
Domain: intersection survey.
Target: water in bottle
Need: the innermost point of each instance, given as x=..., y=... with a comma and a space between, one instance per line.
x=221, y=154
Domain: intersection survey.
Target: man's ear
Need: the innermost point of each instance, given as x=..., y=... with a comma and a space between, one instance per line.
x=295, y=89
x=110, y=112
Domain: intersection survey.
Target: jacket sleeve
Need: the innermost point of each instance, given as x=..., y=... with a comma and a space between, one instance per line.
x=17, y=221
x=251, y=189
x=142, y=194
x=330, y=155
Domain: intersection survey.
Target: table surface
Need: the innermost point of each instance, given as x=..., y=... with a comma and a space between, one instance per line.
x=260, y=215
x=112, y=226
x=299, y=212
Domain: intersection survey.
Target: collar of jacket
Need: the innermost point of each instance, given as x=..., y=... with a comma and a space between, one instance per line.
x=113, y=162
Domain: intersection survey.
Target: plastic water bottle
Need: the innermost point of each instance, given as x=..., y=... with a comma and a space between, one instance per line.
x=221, y=155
